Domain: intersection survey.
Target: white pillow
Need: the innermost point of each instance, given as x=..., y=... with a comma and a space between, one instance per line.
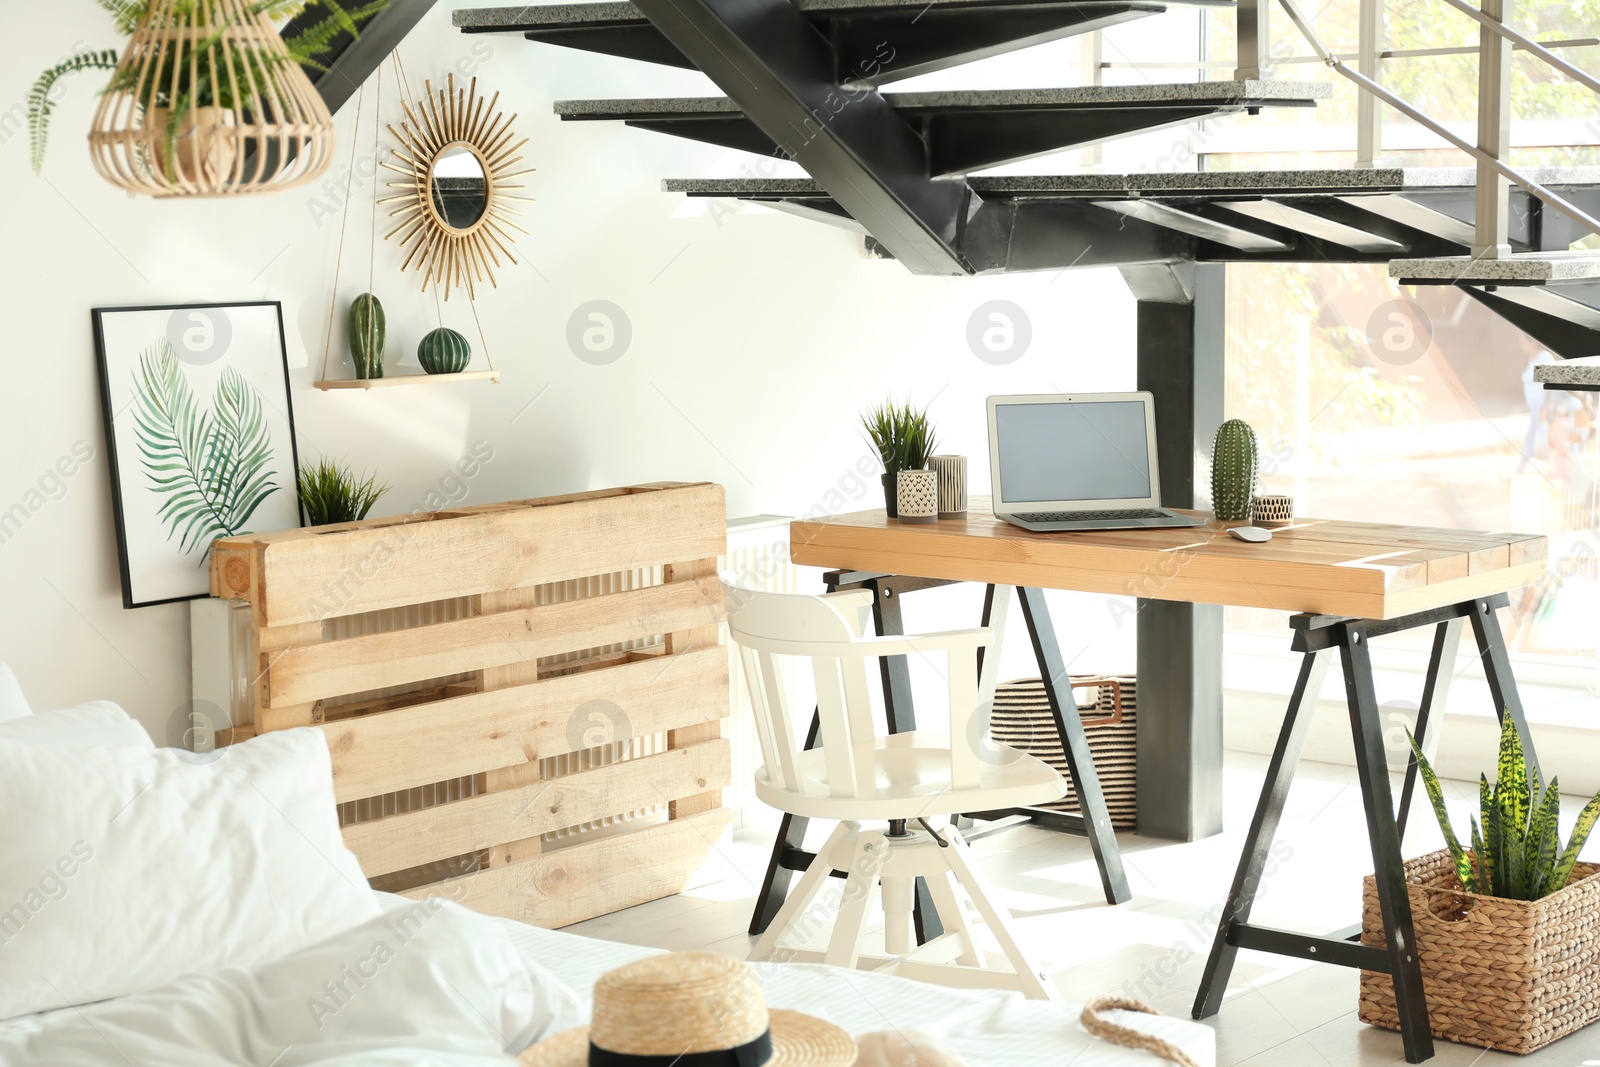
x=435, y=984
x=96, y=723
x=13, y=705
x=135, y=867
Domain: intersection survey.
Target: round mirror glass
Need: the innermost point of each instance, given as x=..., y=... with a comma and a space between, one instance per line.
x=459, y=187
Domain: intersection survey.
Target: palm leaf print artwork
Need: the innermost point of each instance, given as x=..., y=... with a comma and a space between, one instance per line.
x=209, y=467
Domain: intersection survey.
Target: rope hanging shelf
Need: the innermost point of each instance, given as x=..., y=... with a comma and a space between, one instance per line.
x=441, y=211
x=207, y=102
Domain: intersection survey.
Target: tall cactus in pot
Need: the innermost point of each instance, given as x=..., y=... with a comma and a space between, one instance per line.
x=369, y=332
x=1233, y=471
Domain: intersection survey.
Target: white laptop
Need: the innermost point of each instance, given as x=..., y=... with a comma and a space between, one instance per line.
x=1080, y=462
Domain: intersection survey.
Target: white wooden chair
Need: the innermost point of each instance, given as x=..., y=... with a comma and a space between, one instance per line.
x=904, y=779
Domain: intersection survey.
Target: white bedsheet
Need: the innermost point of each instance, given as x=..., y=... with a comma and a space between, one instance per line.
x=463, y=990
x=987, y=1028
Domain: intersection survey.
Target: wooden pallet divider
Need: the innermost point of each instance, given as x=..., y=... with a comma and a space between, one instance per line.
x=522, y=725
x=481, y=822
x=572, y=884
x=374, y=661
x=634, y=690
x=311, y=575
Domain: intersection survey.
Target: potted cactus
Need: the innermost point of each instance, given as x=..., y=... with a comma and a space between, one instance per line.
x=903, y=437
x=1233, y=471
x=1508, y=930
x=369, y=333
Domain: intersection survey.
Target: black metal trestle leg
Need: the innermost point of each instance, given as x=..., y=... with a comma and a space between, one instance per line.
x=1075, y=746
x=1398, y=957
x=1372, y=767
x=1263, y=827
x=1435, y=694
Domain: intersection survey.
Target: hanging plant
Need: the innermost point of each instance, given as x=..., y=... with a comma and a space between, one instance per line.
x=207, y=97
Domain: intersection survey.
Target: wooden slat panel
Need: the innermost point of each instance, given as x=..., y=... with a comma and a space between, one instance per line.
x=417, y=837
x=375, y=661
x=1345, y=568
x=561, y=888
x=685, y=805
x=464, y=735
x=357, y=567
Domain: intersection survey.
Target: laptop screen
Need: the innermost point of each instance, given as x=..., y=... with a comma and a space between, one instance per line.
x=1066, y=451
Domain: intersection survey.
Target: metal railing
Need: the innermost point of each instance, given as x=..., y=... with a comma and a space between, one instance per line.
x=1496, y=41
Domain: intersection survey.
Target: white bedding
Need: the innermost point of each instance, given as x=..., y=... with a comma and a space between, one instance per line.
x=988, y=1028
x=462, y=990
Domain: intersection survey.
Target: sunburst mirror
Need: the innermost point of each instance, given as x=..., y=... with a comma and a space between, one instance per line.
x=458, y=156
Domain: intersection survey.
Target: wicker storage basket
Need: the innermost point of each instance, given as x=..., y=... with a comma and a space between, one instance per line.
x=1504, y=974
x=1022, y=720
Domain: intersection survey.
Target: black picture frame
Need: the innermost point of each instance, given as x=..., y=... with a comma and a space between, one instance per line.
x=103, y=318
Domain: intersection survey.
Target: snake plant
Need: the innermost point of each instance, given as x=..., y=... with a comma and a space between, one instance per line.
x=1516, y=841
x=196, y=87
x=902, y=436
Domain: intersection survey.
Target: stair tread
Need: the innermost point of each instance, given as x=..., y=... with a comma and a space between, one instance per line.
x=1170, y=183
x=1529, y=268
x=1212, y=92
x=1585, y=370
x=543, y=16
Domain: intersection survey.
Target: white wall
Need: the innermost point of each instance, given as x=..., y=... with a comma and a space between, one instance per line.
x=756, y=337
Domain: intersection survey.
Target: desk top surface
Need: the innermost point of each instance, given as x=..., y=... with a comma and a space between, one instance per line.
x=1331, y=567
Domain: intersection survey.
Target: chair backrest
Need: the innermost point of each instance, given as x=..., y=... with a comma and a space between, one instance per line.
x=827, y=630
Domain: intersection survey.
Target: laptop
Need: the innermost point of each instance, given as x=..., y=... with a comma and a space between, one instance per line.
x=1080, y=462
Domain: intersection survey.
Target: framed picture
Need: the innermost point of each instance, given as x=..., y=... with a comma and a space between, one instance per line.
x=200, y=434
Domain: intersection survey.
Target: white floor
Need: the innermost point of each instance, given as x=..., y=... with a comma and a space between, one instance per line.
x=1279, y=1012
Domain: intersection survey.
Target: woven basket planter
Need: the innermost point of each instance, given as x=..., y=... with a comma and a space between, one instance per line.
x=1511, y=975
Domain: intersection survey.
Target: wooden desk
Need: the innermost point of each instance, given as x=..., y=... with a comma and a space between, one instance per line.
x=1347, y=582
x=1361, y=570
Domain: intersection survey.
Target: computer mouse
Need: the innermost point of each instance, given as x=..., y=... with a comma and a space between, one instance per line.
x=1254, y=534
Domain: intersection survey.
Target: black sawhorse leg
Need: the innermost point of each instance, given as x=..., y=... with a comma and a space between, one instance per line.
x=789, y=855
x=1317, y=637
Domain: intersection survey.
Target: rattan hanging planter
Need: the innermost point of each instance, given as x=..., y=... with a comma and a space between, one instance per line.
x=207, y=101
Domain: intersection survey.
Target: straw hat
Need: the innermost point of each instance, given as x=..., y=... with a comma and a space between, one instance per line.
x=697, y=1009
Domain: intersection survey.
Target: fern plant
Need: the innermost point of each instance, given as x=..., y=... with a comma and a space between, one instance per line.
x=1516, y=840
x=902, y=436
x=210, y=468
x=331, y=493
x=196, y=86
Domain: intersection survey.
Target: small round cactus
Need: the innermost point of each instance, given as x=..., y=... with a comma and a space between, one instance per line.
x=1233, y=471
x=368, y=335
x=444, y=351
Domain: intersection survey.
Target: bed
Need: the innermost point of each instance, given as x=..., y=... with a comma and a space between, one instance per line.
x=462, y=1018
x=163, y=908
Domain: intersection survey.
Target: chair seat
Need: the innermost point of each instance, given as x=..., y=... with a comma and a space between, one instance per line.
x=911, y=778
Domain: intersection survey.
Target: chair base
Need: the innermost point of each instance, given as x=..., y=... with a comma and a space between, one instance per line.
x=874, y=861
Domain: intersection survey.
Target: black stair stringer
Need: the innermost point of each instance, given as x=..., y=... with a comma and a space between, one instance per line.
x=769, y=59
x=1560, y=334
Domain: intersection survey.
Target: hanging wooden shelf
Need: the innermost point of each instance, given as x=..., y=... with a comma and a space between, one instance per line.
x=406, y=379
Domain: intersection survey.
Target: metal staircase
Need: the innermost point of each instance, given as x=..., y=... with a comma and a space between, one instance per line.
x=801, y=80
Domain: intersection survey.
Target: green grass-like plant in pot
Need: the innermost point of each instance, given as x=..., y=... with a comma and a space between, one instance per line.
x=331, y=492
x=903, y=438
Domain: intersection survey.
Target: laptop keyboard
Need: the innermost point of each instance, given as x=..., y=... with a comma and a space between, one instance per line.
x=1096, y=516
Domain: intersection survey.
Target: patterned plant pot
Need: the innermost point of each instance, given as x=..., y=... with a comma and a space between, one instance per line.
x=952, y=472
x=917, y=496
x=1512, y=975
x=1272, y=510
